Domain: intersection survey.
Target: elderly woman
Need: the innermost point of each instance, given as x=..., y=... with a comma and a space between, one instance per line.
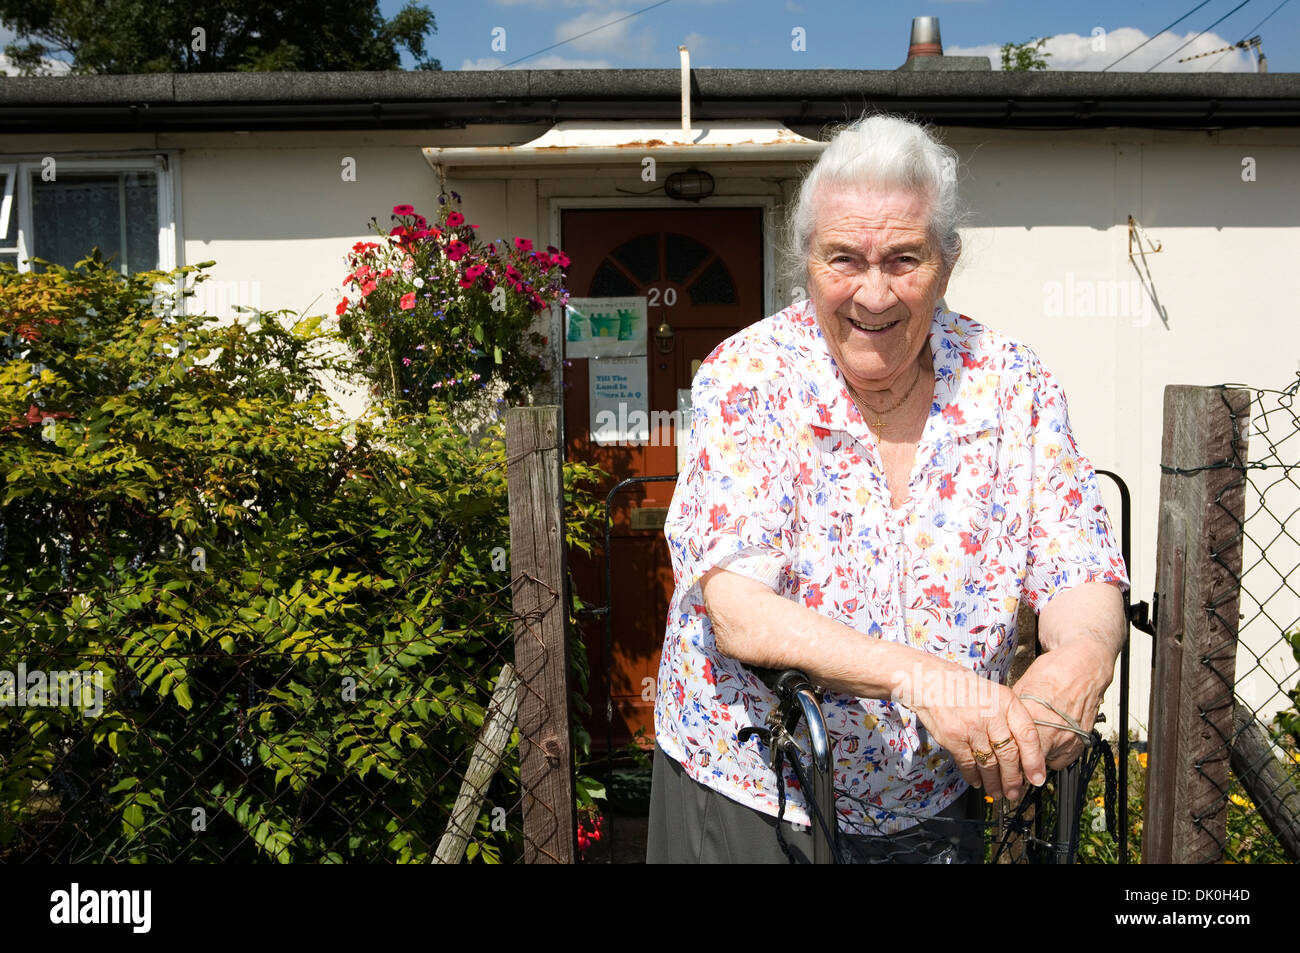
x=874, y=484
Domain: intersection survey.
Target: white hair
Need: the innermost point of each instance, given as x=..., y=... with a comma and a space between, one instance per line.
x=880, y=151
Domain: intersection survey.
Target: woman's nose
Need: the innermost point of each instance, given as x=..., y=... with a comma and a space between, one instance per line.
x=874, y=292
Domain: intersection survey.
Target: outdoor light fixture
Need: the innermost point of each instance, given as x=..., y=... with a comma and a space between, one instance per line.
x=690, y=186
x=664, y=338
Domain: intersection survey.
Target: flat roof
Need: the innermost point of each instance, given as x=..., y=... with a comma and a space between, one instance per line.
x=400, y=99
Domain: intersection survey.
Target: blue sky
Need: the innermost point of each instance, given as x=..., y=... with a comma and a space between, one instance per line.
x=843, y=34
x=849, y=34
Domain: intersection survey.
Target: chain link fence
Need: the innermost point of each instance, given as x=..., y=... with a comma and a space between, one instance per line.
x=1258, y=708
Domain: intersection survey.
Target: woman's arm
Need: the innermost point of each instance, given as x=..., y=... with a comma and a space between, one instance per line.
x=962, y=711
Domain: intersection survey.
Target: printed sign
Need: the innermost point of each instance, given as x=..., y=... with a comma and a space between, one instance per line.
x=605, y=327
x=619, y=400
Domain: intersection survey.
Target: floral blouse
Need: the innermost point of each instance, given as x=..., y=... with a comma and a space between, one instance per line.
x=783, y=483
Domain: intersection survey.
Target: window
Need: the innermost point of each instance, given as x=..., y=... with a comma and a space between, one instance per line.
x=59, y=209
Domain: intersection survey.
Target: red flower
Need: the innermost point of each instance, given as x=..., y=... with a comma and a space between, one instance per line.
x=938, y=595
x=952, y=413
x=455, y=219
x=1074, y=497
x=403, y=210
x=343, y=306
x=524, y=244
x=813, y=598
x=368, y=287
x=473, y=271
x=457, y=250
x=717, y=514
x=946, y=487
x=561, y=259
x=408, y=301
x=730, y=406
x=969, y=544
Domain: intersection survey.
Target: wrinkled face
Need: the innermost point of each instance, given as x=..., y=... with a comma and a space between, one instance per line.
x=874, y=277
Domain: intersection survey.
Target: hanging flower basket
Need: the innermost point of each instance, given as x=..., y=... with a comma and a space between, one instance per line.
x=439, y=314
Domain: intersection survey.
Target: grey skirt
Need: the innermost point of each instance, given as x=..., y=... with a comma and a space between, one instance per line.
x=691, y=823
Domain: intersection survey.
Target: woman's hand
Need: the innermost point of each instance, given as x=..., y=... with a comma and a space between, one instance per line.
x=1082, y=629
x=1073, y=678
x=983, y=725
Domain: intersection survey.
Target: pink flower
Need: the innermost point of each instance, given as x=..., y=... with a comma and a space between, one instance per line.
x=456, y=250
x=473, y=271
x=403, y=210
x=454, y=219
x=408, y=301
x=561, y=259
x=524, y=244
x=406, y=361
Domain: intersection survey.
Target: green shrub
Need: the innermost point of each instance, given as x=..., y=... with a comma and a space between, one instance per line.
x=299, y=623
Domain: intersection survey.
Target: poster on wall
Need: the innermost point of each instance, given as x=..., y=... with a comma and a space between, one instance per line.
x=605, y=327
x=619, y=400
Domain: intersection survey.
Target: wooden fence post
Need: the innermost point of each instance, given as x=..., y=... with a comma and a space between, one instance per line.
x=537, y=570
x=1198, y=581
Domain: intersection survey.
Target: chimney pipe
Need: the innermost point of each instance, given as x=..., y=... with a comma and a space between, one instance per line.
x=925, y=38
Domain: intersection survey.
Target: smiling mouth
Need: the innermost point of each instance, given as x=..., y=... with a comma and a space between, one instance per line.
x=871, y=328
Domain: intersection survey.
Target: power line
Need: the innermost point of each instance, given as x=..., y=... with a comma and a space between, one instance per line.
x=579, y=36
x=1249, y=32
x=1153, y=36
x=1199, y=35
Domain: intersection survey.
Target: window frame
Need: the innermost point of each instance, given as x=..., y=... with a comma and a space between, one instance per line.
x=10, y=171
x=162, y=163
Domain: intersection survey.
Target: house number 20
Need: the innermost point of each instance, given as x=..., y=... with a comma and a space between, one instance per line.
x=669, y=298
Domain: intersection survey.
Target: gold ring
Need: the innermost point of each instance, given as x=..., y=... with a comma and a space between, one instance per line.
x=999, y=745
x=981, y=757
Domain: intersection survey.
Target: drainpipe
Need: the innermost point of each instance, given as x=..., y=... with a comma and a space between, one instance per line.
x=686, y=88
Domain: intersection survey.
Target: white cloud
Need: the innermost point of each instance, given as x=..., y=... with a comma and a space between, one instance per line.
x=50, y=67
x=606, y=34
x=537, y=62
x=1070, y=51
x=698, y=44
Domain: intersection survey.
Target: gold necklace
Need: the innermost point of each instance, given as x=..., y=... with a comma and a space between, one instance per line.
x=879, y=428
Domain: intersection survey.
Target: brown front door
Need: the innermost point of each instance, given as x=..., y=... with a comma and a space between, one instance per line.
x=701, y=272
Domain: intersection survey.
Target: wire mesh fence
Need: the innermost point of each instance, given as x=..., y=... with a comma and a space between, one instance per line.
x=295, y=729
x=1256, y=727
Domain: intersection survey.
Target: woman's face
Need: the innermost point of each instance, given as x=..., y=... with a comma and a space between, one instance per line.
x=874, y=278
